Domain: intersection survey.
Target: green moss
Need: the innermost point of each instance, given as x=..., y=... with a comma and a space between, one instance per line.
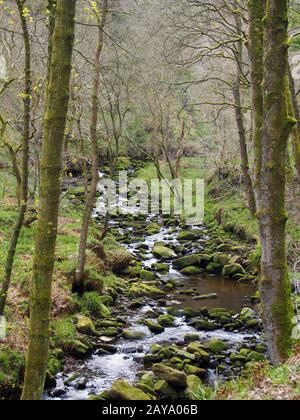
x=63, y=333
x=92, y=304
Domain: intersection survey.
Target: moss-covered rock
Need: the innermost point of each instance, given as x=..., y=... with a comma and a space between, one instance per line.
x=154, y=327
x=153, y=229
x=141, y=289
x=187, y=236
x=86, y=326
x=231, y=270
x=163, y=252
x=161, y=268
x=164, y=390
x=238, y=359
x=147, y=275
x=203, y=325
x=187, y=261
x=216, y=346
x=189, y=338
x=195, y=370
x=123, y=391
x=191, y=271
x=194, y=383
x=133, y=335
x=221, y=259
x=166, y=320
x=78, y=349
x=172, y=376
x=256, y=357
x=191, y=313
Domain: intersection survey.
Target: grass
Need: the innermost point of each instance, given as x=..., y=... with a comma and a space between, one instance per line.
x=64, y=333
x=264, y=382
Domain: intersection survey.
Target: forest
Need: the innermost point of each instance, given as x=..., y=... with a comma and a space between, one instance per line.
x=149, y=200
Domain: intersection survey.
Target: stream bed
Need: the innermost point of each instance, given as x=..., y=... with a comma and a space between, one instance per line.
x=99, y=371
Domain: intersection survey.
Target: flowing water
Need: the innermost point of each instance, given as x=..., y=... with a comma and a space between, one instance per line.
x=101, y=371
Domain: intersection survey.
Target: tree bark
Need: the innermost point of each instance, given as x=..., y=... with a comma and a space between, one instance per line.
x=50, y=188
x=240, y=120
x=25, y=159
x=256, y=10
x=81, y=260
x=294, y=112
x=274, y=285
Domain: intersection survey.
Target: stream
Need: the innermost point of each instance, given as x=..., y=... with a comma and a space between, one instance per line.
x=99, y=371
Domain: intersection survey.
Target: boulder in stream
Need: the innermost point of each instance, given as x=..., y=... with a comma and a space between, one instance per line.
x=123, y=391
x=86, y=326
x=187, y=261
x=172, y=376
x=163, y=252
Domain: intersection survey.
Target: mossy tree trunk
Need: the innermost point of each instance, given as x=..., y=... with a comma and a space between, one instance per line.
x=50, y=188
x=294, y=112
x=25, y=159
x=240, y=118
x=90, y=201
x=274, y=285
x=256, y=9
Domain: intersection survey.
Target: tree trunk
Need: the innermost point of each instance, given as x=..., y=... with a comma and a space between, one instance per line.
x=50, y=188
x=240, y=120
x=81, y=260
x=25, y=159
x=256, y=10
x=294, y=112
x=274, y=285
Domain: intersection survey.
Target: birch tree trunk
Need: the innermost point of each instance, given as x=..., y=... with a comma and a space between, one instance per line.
x=25, y=159
x=256, y=9
x=50, y=187
x=240, y=119
x=81, y=260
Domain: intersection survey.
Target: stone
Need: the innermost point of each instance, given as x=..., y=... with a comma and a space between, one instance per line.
x=154, y=327
x=155, y=348
x=86, y=326
x=191, y=313
x=166, y=320
x=187, y=261
x=160, y=267
x=194, y=370
x=164, y=252
x=136, y=304
x=248, y=313
x=164, y=390
x=202, y=325
x=191, y=271
x=221, y=259
x=231, y=270
x=150, y=359
x=216, y=346
x=213, y=267
x=187, y=236
x=194, y=383
x=188, y=338
x=141, y=289
x=147, y=275
x=172, y=376
x=148, y=379
x=206, y=297
x=238, y=359
x=133, y=335
x=123, y=391
x=256, y=357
